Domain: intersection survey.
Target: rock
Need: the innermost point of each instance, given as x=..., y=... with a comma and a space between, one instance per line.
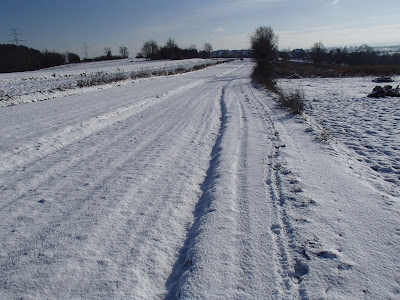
x=294, y=76
x=383, y=79
x=387, y=90
x=393, y=92
x=377, y=92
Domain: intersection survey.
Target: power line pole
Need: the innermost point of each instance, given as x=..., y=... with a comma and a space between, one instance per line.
x=15, y=36
x=86, y=49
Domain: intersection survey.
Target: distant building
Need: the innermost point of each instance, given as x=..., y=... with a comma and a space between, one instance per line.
x=231, y=53
x=299, y=54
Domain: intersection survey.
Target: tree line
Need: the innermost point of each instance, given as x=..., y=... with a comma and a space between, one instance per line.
x=363, y=55
x=18, y=58
x=15, y=58
x=171, y=50
x=123, y=51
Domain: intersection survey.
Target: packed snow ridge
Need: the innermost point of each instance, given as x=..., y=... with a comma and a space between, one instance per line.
x=199, y=186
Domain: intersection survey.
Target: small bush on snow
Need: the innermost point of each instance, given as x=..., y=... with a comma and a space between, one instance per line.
x=292, y=99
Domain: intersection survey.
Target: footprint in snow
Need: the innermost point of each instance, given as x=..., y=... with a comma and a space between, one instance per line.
x=328, y=254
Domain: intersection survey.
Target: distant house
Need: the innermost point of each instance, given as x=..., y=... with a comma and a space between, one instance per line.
x=231, y=53
x=299, y=54
x=220, y=53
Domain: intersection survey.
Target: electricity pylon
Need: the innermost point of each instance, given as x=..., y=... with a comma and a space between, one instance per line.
x=15, y=36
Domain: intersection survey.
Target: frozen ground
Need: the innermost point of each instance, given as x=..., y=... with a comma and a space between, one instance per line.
x=195, y=186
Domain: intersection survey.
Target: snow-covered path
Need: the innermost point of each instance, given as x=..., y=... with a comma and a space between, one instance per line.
x=98, y=189
x=191, y=186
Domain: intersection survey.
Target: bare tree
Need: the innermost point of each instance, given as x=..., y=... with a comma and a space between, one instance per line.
x=107, y=52
x=170, y=43
x=318, y=53
x=264, y=44
x=171, y=49
x=124, y=52
x=150, y=49
x=208, y=49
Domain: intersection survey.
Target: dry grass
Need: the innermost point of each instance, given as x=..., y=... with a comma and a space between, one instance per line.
x=293, y=99
x=283, y=69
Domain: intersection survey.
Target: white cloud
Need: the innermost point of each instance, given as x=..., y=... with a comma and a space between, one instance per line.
x=334, y=2
x=219, y=30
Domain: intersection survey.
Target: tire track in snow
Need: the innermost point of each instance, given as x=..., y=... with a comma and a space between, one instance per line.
x=74, y=134
x=229, y=247
x=150, y=217
x=69, y=134
x=289, y=267
x=253, y=237
x=182, y=266
x=58, y=167
x=186, y=258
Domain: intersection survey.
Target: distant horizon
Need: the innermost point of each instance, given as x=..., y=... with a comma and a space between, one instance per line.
x=397, y=46
x=115, y=50
x=61, y=26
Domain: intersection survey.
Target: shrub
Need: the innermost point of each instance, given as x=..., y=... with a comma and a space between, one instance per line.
x=100, y=78
x=292, y=99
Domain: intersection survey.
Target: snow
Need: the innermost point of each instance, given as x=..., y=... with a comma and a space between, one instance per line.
x=366, y=128
x=199, y=186
x=32, y=86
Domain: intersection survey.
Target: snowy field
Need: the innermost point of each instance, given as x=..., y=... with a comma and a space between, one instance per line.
x=369, y=128
x=199, y=186
x=25, y=87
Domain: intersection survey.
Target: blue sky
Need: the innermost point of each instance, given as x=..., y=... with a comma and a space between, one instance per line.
x=66, y=25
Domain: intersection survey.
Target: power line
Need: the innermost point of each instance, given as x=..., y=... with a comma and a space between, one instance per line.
x=15, y=36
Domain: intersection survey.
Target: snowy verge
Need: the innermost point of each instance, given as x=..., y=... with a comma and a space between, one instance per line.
x=345, y=224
